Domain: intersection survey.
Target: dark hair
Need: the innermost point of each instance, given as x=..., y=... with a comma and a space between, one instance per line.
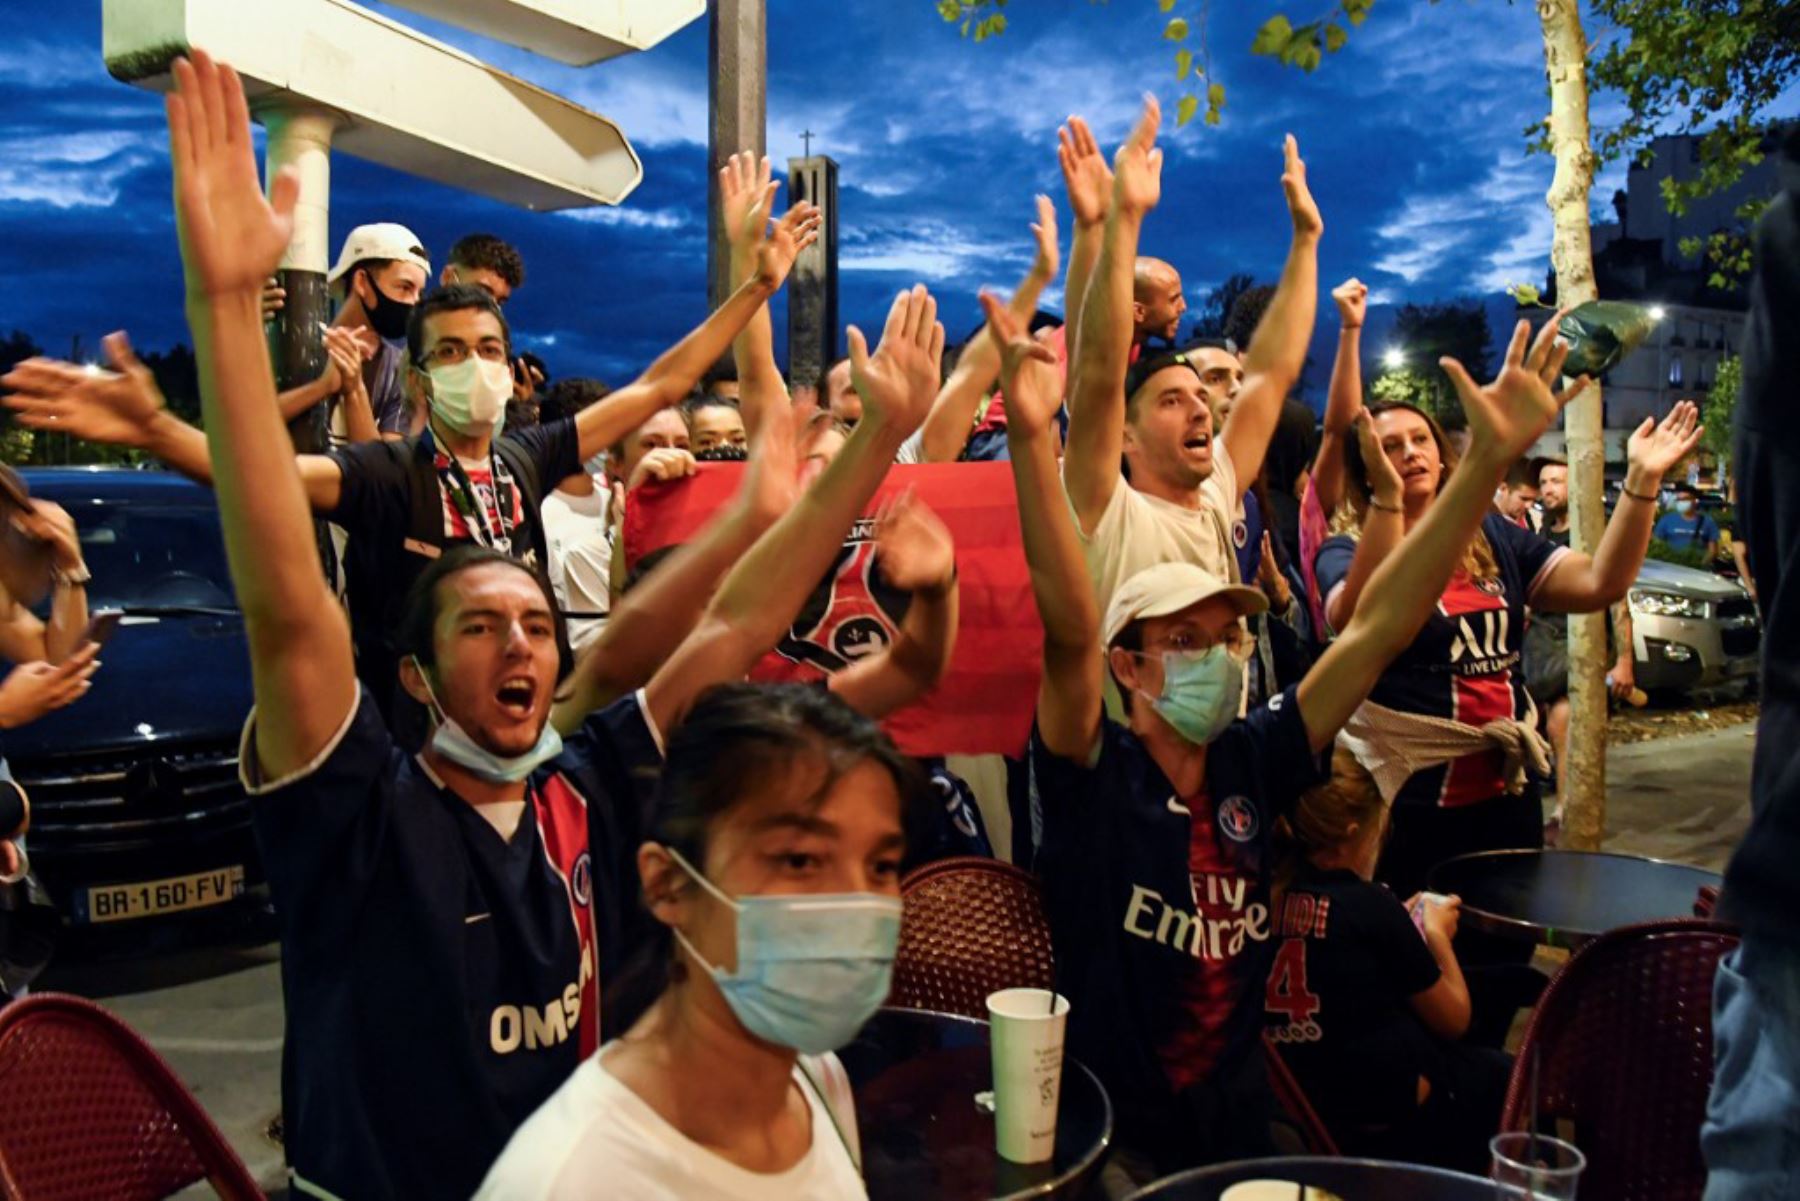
x=485, y=252
x=1478, y=557
x=1538, y=464
x=455, y=298
x=1293, y=448
x=707, y=400
x=734, y=741
x=1147, y=366
x=1246, y=314
x=723, y=371
x=1523, y=474
x=1686, y=489
x=424, y=601
x=567, y=397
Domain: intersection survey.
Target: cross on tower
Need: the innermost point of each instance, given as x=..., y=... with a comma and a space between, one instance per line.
x=806, y=136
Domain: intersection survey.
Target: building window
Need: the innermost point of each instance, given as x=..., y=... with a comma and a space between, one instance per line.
x=1675, y=372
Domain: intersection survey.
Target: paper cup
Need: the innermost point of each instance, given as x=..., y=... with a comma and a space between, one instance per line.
x=1026, y=1036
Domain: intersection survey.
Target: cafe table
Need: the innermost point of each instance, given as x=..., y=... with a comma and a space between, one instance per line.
x=925, y=1136
x=1566, y=898
x=1350, y=1179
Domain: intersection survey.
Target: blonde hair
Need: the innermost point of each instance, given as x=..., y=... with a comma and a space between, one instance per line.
x=1323, y=816
x=1478, y=561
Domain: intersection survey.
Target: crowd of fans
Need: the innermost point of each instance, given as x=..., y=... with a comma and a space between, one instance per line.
x=569, y=909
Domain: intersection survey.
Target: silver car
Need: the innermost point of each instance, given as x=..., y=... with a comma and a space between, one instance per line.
x=1692, y=629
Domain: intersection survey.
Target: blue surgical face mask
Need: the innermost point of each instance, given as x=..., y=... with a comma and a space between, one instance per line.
x=1684, y=507
x=812, y=968
x=1200, y=692
x=453, y=742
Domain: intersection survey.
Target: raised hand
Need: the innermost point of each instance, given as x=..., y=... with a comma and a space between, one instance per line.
x=1301, y=207
x=231, y=236
x=662, y=463
x=1352, y=299
x=118, y=408
x=912, y=548
x=1137, y=166
x=1043, y=231
x=746, y=198
x=1657, y=446
x=901, y=379
x=50, y=523
x=797, y=229
x=346, y=369
x=1507, y=415
x=31, y=690
x=1085, y=173
x=1385, y=485
x=1028, y=375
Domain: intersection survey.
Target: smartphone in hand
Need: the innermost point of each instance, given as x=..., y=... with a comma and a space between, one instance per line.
x=101, y=625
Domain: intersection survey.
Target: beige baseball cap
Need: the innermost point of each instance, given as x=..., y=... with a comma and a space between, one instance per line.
x=382, y=240
x=1169, y=588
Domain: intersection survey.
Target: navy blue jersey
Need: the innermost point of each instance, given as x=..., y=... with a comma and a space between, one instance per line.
x=1159, y=904
x=1464, y=664
x=1338, y=998
x=440, y=980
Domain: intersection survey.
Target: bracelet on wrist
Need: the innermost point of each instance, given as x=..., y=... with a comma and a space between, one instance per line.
x=1647, y=499
x=1375, y=504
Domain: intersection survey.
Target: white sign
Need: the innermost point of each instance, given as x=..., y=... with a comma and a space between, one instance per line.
x=577, y=32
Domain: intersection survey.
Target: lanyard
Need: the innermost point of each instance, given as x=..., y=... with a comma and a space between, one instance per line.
x=493, y=530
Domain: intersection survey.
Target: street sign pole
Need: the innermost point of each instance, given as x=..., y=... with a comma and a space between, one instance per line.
x=300, y=137
x=737, y=66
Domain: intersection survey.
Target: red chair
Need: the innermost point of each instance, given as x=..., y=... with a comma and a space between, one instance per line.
x=88, y=1110
x=971, y=926
x=1292, y=1099
x=1625, y=1046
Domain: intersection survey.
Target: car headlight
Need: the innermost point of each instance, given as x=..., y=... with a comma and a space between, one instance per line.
x=1668, y=604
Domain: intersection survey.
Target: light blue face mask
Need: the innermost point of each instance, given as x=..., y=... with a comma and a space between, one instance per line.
x=453, y=742
x=1200, y=692
x=812, y=968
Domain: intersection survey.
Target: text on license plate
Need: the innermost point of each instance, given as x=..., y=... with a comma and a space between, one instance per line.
x=118, y=902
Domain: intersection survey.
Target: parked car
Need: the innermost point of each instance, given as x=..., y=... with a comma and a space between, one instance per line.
x=1691, y=629
x=137, y=813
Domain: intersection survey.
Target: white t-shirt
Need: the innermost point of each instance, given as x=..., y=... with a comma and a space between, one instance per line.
x=1138, y=531
x=595, y=1138
x=580, y=548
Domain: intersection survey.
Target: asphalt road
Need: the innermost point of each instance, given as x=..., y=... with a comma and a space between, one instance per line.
x=216, y=1014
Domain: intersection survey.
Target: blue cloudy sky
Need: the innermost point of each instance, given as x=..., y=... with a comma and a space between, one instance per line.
x=1412, y=135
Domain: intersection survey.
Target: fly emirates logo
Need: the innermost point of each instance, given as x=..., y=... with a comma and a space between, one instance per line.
x=1216, y=928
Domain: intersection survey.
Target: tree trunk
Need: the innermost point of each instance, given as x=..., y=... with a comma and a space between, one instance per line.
x=1571, y=254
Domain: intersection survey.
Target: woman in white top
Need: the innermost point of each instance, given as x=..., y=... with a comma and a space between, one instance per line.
x=773, y=869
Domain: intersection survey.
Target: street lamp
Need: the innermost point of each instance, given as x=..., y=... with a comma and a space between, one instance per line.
x=1393, y=358
x=1657, y=312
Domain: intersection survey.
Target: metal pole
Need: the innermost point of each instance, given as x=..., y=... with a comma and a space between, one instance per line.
x=737, y=67
x=301, y=138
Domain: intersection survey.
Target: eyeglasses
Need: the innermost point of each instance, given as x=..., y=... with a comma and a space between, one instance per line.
x=450, y=352
x=1237, y=642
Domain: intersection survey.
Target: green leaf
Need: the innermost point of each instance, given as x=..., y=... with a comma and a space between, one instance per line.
x=1335, y=37
x=1165, y=5
x=950, y=10
x=1185, y=110
x=1215, y=97
x=1525, y=295
x=1212, y=116
x=1176, y=30
x=1273, y=37
x=1184, y=63
x=1356, y=14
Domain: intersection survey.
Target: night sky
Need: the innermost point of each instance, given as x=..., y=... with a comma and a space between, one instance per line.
x=1412, y=135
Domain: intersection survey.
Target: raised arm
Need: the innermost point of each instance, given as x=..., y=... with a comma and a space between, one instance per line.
x=26, y=638
x=959, y=401
x=764, y=592
x=673, y=375
x=1343, y=400
x=1069, y=697
x=1583, y=584
x=231, y=237
x=1384, y=525
x=1505, y=417
x=1278, y=348
x=124, y=407
x=747, y=199
x=1103, y=343
x=916, y=554
x=1090, y=182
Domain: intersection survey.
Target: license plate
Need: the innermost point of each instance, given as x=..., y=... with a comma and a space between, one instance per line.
x=121, y=902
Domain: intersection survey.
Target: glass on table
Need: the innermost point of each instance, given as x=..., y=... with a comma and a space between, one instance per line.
x=1534, y=1167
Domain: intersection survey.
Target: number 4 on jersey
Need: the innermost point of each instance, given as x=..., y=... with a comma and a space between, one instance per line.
x=1287, y=992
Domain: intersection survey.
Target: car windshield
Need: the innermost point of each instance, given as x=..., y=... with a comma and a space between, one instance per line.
x=150, y=557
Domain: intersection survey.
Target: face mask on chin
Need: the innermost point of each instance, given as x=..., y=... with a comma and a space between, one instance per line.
x=470, y=397
x=451, y=741
x=387, y=316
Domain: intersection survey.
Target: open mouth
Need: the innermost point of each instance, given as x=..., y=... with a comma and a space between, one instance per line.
x=1413, y=473
x=1198, y=442
x=516, y=696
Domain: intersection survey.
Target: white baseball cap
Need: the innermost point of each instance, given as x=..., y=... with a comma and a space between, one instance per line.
x=382, y=240
x=1169, y=588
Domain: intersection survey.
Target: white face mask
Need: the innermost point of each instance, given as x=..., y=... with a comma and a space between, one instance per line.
x=470, y=397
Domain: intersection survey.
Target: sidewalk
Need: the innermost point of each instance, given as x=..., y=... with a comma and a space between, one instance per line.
x=1685, y=798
